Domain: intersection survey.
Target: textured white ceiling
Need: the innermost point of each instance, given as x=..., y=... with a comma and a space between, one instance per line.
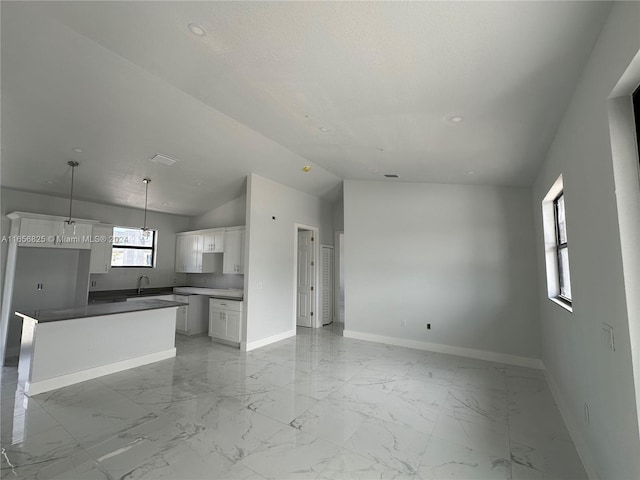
x=125, y=80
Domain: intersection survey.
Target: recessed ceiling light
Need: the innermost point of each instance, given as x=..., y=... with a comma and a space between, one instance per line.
x=306, y=168
x=197, y=30
x=373, y=170
x=49, y=182
x=456, y=119
x=198, y=184
x=470, y=172
x=77, y=150
x=327, y=130
x=166, y=203
x=391, y=175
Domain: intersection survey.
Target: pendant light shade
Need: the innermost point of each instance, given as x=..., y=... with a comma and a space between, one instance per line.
x=146, y=182
x=73, y=166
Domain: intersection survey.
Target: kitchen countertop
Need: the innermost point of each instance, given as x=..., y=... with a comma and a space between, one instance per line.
x=96, y=310
x=122, y=295
x=225, y=293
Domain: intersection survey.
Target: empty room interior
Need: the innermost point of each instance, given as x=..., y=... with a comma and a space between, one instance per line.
x=320, y=240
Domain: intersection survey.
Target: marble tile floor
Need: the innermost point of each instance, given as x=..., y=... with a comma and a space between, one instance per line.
x=314, y=406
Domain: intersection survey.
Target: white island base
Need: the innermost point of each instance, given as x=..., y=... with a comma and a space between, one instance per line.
x=57, y=353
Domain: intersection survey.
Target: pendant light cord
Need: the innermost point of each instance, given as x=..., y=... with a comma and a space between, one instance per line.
x=146, y=196
x=73, y=166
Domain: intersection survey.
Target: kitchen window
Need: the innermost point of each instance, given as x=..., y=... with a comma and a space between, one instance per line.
x=133, y=247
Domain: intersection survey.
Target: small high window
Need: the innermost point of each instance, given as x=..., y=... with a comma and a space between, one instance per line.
x=562, y=249
x=556, y=246
x=133, y=247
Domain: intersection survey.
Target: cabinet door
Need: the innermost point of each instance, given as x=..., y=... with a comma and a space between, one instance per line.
x=233, y=258
x=213, y=240
x=182, y=247
x=208, y=241
x=234, y=324
x=76, y=235
x=218, y=240
x=35, y=232
x=217, y=323
x=182, y=318
x=101, y=250
x=193, y=253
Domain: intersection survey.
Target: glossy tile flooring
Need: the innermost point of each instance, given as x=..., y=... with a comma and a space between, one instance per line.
x=314, y=406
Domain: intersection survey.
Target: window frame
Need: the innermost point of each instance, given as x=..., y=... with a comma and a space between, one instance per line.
x=549, y=230
x=153, y=248
x=560, y=245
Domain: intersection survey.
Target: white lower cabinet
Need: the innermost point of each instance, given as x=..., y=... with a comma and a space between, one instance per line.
x=225, y=320
x=192, y=319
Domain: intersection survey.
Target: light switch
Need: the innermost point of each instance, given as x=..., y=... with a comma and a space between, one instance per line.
x=259, y=285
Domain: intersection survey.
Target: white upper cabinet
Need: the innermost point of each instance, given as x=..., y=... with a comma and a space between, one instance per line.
x=213, y=240
x=233, y=258
x=53, y=233
x=101, y=249
x=193, y=251
x=189, y=252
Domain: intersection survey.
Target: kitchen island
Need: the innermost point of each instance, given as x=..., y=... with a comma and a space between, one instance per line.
x=63, y=346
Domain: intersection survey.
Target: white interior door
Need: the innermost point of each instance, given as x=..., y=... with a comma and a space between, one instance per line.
x=304, y=302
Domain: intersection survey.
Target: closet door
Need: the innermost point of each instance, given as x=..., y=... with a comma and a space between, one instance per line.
x=326, y=283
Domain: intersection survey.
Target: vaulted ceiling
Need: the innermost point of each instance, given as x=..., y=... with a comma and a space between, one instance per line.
x=448, y=92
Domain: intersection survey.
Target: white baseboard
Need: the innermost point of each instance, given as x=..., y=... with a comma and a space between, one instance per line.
x=247, y=346
x=34, y=388
x=448, y=349
x=571, y=422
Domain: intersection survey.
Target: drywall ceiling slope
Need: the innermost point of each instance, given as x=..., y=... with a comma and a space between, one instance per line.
x=61, y=91
x=253, y=94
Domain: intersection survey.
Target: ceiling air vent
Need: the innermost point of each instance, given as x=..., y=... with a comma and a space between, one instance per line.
x=163, y=159
x=391, y=175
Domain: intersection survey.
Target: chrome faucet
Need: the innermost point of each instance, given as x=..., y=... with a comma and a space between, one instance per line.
x=142, y=277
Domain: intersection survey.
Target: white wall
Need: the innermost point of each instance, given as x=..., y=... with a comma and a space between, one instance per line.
x=118, y=278
x=580, y=366
x=230, y=214
x=460, y=257
x=270, y=255
x=338, y=212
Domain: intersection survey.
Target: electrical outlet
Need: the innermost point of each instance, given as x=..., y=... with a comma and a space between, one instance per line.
x=586, y=414
x=204, y=282
x=93, y=283
x=403, y=323
x=428, y=326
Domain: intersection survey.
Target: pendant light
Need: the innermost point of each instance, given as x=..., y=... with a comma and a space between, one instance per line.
x=146, y=182
x=70, y=221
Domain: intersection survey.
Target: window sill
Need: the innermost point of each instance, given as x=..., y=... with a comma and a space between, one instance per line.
x=563, y=303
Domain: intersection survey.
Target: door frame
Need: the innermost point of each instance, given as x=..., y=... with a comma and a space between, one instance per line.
x=317, y=321
x=337, y=264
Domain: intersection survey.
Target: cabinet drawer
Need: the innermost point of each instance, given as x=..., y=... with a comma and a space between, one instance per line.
x=233, y=305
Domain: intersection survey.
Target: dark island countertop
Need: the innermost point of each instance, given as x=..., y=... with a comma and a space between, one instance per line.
x=97, y=296
x=96, y=310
